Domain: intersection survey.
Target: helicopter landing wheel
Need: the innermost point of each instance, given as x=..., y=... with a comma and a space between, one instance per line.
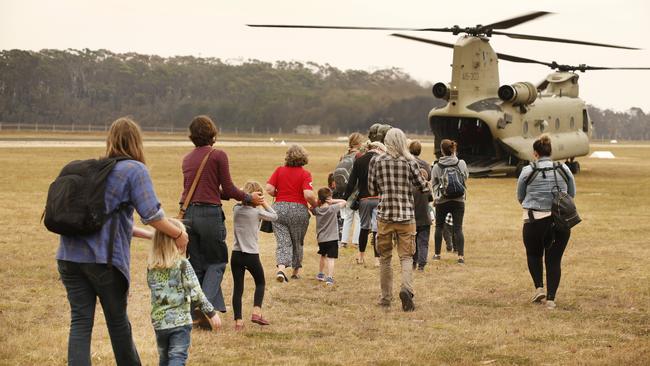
x=574, y=167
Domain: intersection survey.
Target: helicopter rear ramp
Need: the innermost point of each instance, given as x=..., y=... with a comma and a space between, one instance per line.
x=489, y=168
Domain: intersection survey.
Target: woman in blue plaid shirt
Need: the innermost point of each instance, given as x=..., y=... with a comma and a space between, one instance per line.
x=82, y=260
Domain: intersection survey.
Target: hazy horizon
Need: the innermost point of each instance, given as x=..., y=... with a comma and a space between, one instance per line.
x=217, y=29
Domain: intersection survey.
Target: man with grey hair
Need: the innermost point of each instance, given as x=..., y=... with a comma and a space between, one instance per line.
x=391, y=176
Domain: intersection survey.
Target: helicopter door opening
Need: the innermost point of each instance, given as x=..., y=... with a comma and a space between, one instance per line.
x=475, y=142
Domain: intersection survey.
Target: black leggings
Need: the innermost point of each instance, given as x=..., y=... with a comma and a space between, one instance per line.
x=543, y=241
x=457, y=209
x=239, y=263
x=363, y=239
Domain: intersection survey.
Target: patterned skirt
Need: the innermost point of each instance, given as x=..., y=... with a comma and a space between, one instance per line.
x=289, y=231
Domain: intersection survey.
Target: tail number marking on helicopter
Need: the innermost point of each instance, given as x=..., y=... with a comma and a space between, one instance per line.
x=470, y=76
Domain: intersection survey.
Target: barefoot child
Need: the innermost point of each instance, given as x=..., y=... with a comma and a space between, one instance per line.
x=327, y=232
x=245, y=254
x=173, y=287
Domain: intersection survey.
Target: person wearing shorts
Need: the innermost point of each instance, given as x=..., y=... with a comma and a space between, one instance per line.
x=327, y=232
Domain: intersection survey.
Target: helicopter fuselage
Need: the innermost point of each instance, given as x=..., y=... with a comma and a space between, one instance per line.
x=495, y=136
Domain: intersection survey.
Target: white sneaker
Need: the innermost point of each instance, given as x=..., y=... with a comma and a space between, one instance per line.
x=539, y=295
x=550, y=304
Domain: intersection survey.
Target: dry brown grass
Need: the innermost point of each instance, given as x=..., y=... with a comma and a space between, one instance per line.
x=476, y=314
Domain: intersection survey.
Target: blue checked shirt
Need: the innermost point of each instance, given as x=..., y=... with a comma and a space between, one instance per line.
x=392, y=179
x=128, y=182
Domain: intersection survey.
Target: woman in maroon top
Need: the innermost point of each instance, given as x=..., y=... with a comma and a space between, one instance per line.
x=204, y=217
x=291, y=185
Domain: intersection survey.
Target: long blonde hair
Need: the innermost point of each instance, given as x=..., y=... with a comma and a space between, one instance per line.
x=125, y=139
x=396, y=144
x=163, y=253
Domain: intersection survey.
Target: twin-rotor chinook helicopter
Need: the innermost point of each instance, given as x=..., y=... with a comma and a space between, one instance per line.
x=495, y=126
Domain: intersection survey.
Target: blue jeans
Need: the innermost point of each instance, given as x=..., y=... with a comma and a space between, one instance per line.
x=84, y=283
x=173, y=345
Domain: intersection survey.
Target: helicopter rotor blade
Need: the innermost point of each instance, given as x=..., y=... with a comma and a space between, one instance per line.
x=560, y=40
x=424, y=40
x=501, y=56
x=522, y=60
x=585, y=68
x=344, y=27
x=508, y=23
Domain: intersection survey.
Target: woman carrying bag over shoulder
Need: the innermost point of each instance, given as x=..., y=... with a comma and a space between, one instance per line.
x=203, y=214
x=544, y=241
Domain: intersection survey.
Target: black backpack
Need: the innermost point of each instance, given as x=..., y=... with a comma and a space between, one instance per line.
x=75, y=200
x=563, y=208
x=452, y=181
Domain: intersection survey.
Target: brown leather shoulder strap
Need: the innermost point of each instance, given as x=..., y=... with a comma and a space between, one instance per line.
x=190, y=193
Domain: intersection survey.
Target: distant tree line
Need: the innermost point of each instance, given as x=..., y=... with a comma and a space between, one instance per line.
x=93, y=87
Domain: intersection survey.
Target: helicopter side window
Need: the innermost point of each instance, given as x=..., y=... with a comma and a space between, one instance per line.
x=557, y=123
x=585, y=121
x=572, y=123
x=525, y=127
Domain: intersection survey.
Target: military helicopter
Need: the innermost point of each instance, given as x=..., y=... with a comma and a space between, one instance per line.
x=495, y=126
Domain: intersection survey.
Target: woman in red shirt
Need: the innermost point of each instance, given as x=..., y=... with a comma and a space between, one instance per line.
x=291, y=185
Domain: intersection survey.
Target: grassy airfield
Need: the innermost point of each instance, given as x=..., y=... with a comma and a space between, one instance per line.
x=477, y=314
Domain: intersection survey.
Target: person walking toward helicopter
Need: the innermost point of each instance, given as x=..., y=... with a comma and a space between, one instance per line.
x=392, y=176
x=448, y=178
x=542, y=239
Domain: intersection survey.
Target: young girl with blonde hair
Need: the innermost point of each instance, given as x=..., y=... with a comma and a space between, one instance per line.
x=174, y=287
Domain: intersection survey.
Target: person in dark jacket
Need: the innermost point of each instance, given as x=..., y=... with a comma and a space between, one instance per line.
x=367, y=203
x=422, y=215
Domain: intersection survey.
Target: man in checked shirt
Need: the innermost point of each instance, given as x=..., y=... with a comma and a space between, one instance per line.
x=391, y=176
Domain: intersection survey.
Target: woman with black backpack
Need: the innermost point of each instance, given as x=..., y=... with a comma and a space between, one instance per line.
x=97, y=265
x=544, y=241
x=448, y=178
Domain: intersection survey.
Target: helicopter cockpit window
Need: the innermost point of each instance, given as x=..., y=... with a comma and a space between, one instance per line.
x=557, y=123
x=525, y=127
x=585, y=121
x=572, y=123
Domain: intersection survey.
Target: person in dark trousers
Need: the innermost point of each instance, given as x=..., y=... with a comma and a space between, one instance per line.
x=544, y=243
x=422, y=216
x=246, y=254
x=448, y=233
x=82, y=260
x=445, y=205
x=204, y=217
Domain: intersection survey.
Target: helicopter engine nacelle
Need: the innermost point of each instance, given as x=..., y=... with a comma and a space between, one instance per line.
x=441, y=91
x=521, y=93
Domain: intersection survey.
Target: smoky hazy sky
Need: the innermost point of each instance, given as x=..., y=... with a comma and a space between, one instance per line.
x=217, y=29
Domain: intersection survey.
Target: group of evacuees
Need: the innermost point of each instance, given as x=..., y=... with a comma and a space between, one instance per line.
x=394, y=191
